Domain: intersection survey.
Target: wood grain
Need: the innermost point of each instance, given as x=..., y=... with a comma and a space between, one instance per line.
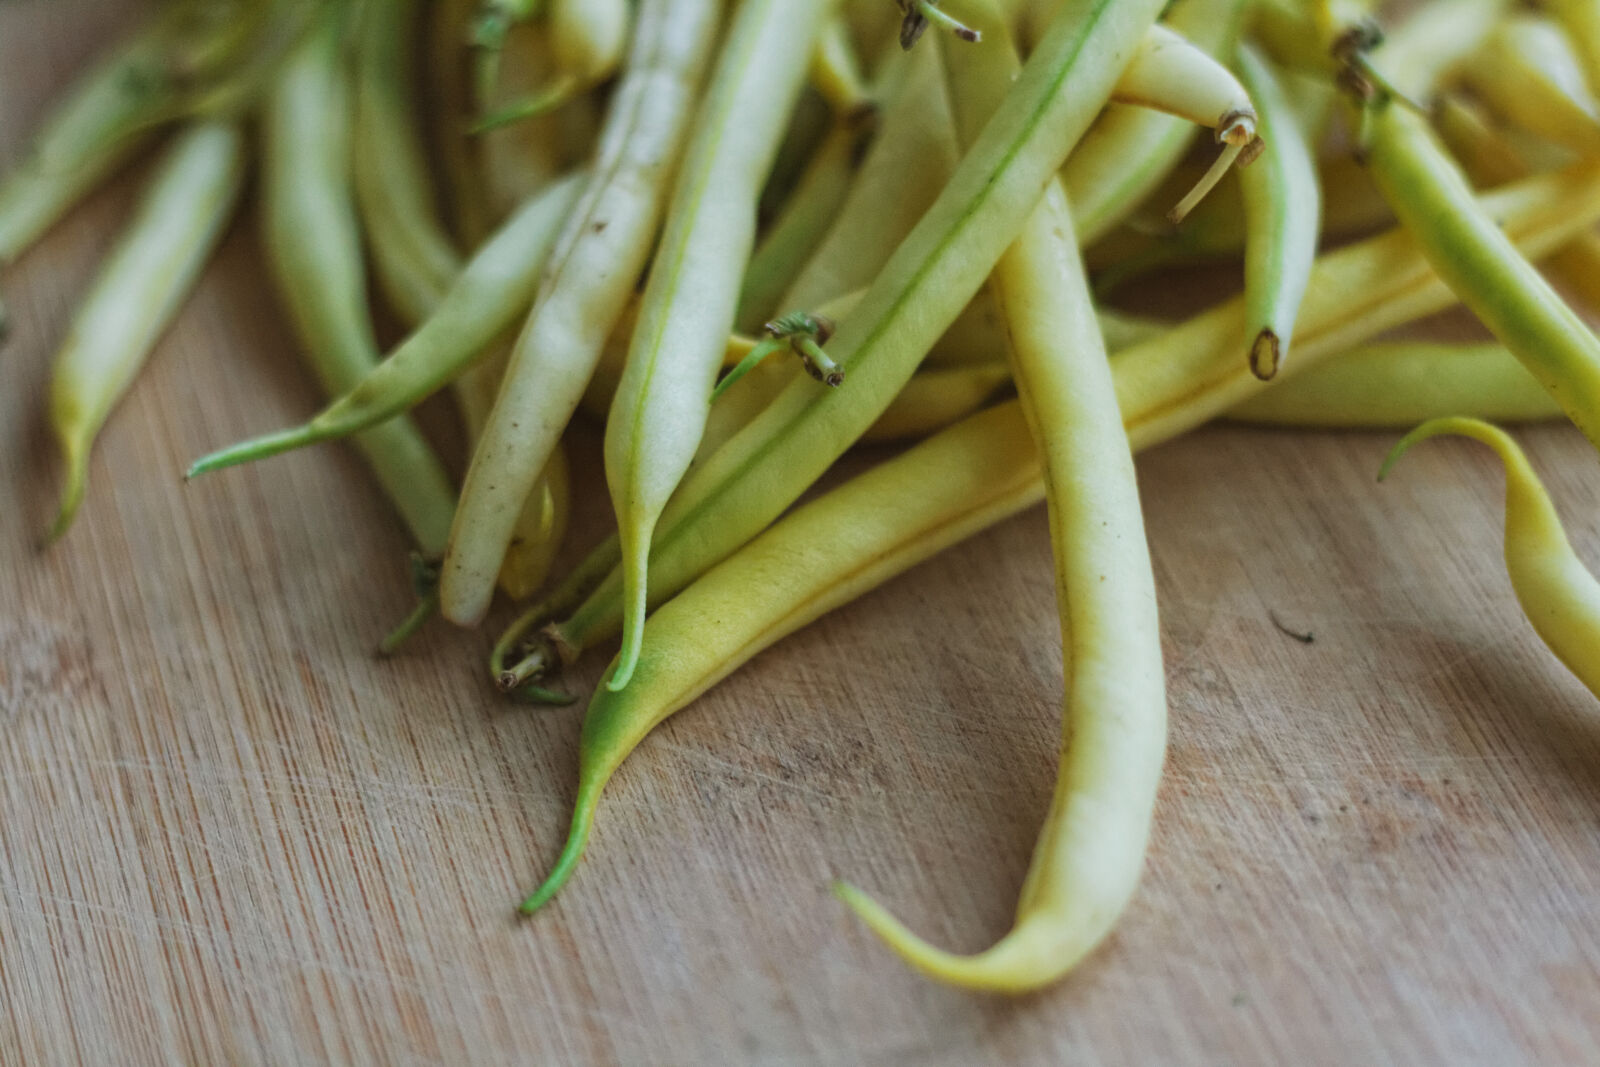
x=231, y=835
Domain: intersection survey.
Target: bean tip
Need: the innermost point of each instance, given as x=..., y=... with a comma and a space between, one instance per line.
x=1266, y=353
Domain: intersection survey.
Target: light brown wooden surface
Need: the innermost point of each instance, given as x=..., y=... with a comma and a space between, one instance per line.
x=228, y=834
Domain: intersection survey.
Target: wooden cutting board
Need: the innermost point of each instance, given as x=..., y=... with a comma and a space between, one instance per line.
x=229, y=834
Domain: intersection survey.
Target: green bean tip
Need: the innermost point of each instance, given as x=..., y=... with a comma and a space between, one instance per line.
x=1400, y=448
x=1266, y=352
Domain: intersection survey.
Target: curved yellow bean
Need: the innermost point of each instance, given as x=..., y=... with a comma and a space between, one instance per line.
x=1558, y=593
x=1113, y=740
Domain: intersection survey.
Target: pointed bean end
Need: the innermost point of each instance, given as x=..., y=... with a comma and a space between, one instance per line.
x=71, y=500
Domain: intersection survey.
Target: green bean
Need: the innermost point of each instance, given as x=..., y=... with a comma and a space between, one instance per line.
x=1476, y=259
x=689, y=302
x=573, y=590
x=417, y=266
x=108, y=115
x=1091, y=849
x=936, y=270
x=488, y=295
x=586, y=288
x=1489, y=160
x=314, y=249
x=1402, y=383
x=413, y=258
x=909, y=161
x=1558, y=593
x=139, y=289
x=795, y=234
x=1170, y=74
x=204, y=60
x=1128, y=151
x=1283, y=211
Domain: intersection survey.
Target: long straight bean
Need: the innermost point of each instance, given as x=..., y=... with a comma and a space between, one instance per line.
x=586, y=288
x=314, y=248
x=688, y=308
x=139, y=290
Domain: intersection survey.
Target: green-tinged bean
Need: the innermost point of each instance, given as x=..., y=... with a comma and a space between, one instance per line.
x=1480, y=263
x=586, y=288
x=486, y=298
x=1190, y=372
x=795, y=234
x=916, y=296
x=1170, y=74
x=1283, y=213
x=689, y=303
x=1527, y=73
x=314, y=249
x=1489, y=159
x=413, y=259
x=416, y=265
x=1401, y=383
x=1129, y=150
x=1557, y=592
x=909, y=161
x=139, y=289
x=187, y=60
x=424, y=265
x=1091, y=849
x=108, y=115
